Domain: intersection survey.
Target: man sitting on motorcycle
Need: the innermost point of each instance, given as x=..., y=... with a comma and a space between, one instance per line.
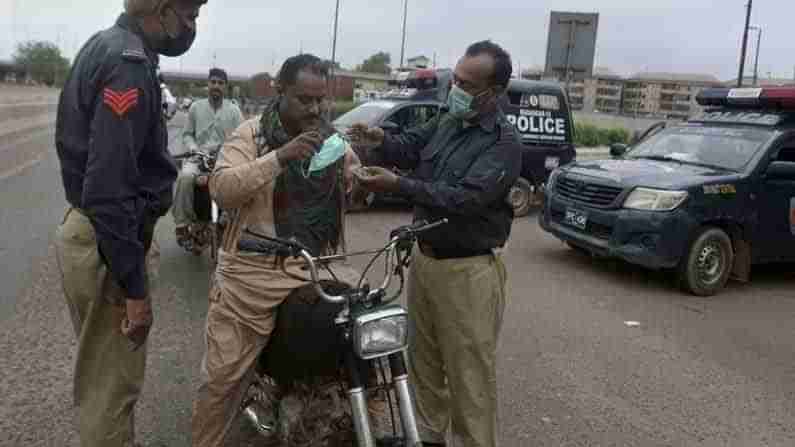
x=281, y=174
x=209, y=122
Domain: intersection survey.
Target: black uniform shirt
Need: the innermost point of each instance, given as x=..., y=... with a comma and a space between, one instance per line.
x=112, y=144
x=463, y=173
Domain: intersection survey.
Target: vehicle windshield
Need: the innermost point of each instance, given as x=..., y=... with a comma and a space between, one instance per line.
x=366, y=113
x=728, y=148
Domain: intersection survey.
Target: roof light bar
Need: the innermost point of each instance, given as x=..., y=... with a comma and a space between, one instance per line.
x=764, y=98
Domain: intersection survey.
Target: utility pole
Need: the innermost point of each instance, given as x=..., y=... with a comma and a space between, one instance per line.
x=403, y=46
x=745, y=44
x=758, y=29
x=332, y=77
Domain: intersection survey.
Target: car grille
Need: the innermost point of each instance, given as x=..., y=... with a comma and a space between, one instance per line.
x=594, y=229
x=586, y=193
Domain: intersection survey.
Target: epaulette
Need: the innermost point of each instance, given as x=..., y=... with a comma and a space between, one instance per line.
x=133, y=48
x=134, y=54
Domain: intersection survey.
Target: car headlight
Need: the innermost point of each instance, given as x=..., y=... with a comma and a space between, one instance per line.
x=381, y=333
x=654, y=199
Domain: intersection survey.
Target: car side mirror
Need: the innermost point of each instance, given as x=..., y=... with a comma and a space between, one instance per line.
x=389, y=126
x=781, y=170
x=618, y=149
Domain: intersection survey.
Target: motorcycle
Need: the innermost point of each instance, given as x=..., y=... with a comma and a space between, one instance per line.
x=209, y=226
x=331, y=343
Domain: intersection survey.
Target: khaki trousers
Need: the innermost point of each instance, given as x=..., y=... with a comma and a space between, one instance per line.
x=108, y=376
x=182, y=208
x=456, y=308
x=244, y=299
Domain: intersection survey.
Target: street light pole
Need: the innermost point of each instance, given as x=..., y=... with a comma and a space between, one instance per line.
x=745, y=44
x=332, y=76
x=403, y=46
x=756, y=62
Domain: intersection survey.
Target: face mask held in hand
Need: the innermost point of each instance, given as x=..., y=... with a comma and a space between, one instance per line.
x=332, y=150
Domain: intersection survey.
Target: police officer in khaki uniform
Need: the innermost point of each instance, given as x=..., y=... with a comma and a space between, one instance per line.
x=118, y=176
x=464, y=164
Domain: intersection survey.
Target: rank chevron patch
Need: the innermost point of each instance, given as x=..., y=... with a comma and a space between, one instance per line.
x=121, y=102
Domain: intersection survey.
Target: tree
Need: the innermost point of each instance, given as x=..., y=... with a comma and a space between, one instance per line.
x=42, y=61
x=377, y=63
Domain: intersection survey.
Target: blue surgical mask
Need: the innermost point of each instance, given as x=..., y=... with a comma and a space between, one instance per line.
x=460, y=103
x=332, y=150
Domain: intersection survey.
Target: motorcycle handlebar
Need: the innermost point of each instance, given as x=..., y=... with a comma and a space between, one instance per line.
x=191, y=154
x=401, y=235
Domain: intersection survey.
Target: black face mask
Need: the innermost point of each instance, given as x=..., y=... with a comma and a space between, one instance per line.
x=178, y=44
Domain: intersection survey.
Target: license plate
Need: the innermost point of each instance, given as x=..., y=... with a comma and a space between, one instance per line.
x=551, y=163
x=576, y=219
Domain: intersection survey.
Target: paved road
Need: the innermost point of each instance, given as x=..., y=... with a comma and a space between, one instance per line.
x=693, y=372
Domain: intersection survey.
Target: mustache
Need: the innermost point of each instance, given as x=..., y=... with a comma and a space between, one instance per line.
x=326, y=129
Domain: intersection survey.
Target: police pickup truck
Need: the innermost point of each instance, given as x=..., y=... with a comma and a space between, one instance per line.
x=708, y=198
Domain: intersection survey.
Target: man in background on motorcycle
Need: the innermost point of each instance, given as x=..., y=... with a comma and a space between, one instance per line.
x=275, y=179
x=464, y=164
x=118, y=177
x=208, y=124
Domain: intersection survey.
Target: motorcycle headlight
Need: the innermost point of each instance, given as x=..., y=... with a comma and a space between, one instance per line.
x=654, y=199
x=381, y=333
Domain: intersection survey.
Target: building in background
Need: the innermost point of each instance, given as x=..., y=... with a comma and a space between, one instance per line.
x=194, y=83
x=11, y=72
x=665, y=95
x=365, y=81
x=418, y=62
x=598, y=93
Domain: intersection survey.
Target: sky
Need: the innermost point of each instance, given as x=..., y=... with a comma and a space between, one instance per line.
x=251, y=36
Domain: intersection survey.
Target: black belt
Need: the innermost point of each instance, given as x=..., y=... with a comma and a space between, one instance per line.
x=451, y=253
x=259, y=246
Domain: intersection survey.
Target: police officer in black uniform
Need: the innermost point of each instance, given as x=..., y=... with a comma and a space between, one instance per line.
x=464, y=163
x=118, y=176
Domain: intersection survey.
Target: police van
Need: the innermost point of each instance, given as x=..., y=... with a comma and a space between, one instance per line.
x=707, y=198
x=541, y=114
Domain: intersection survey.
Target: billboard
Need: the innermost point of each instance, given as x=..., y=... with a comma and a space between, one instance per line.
x=571, y=45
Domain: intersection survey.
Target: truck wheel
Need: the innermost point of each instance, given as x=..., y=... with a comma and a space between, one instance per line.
x=521, y=197
x=709, y=262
